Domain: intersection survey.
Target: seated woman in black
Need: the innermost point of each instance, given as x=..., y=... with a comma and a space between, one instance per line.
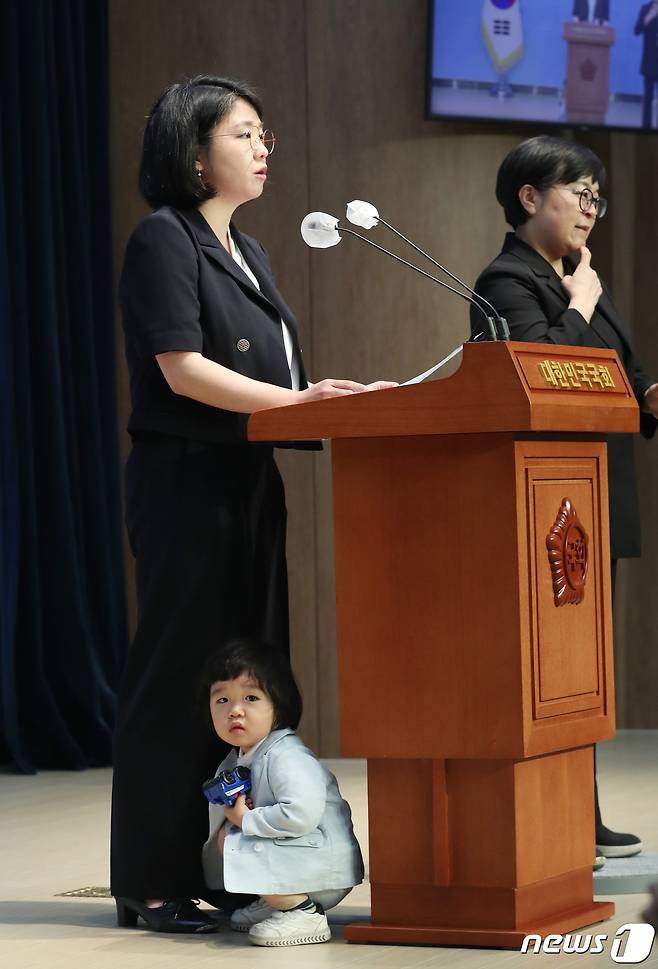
x=544, y=284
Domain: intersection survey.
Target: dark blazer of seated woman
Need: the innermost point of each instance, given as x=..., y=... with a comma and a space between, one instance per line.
x=527, y=291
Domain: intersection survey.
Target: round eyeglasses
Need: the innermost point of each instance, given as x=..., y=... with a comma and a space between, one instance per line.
x=587, y=199
x=256, y=137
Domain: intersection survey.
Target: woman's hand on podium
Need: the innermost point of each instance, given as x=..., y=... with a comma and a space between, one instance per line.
x=329, y=387
x=382, y=385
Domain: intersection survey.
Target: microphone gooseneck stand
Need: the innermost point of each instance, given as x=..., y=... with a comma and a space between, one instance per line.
x=491, y=322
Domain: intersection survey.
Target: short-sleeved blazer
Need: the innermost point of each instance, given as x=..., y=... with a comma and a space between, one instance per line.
x=181, y=290
x=527, y=291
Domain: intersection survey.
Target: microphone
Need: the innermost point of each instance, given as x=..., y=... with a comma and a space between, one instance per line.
x=366, y=215
x=320, y=231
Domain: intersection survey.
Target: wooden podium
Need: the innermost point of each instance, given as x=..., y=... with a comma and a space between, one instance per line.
x=587, y=92
x=475, y=634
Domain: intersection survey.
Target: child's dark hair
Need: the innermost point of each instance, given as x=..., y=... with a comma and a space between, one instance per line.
x=268, y=666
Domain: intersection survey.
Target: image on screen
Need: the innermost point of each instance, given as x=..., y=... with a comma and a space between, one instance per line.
x=562, y=62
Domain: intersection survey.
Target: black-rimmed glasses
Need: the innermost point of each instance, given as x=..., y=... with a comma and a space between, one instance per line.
x=587, y=199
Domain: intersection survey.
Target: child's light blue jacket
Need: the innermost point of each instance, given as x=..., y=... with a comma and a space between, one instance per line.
x=299, y=835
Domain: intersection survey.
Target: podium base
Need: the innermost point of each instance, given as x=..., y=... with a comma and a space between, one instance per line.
x=561, y=924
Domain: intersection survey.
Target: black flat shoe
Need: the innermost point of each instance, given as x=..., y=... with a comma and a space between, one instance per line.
x=177, y=915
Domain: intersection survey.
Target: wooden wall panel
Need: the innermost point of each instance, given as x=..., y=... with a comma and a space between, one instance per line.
x=343, y=84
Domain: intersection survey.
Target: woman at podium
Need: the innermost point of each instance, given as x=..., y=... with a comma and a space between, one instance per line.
x=544, y=284
x=592, y=11
x=209, y=340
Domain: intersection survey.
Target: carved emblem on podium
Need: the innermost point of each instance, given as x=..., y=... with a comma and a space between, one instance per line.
x=567, y=545
x=588, y=70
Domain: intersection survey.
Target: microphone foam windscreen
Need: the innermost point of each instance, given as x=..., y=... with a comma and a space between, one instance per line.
x=320, y=230
x=362, y=213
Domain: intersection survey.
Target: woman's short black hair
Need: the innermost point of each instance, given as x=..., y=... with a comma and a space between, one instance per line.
x=180, y=122
x=543, y=162
x=268, y=666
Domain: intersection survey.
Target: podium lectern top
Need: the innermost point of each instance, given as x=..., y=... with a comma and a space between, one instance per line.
x=502, y=386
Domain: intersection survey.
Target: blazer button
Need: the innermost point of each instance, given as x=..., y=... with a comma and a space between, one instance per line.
x=258, y=847
x=243, y=345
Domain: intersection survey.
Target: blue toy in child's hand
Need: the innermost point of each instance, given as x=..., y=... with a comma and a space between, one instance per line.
x=228, y=785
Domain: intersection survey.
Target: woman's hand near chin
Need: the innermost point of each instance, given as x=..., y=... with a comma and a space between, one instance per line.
x=583, y=286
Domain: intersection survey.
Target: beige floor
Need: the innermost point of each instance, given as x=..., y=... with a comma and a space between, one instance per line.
x=54, y=839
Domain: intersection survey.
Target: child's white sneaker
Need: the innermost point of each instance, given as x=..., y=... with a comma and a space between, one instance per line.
x=243, y=918
x=294, y=927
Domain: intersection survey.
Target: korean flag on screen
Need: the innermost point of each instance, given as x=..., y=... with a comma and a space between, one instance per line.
x=503, y=32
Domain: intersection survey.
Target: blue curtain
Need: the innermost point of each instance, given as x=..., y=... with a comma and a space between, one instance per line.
x=62, y=619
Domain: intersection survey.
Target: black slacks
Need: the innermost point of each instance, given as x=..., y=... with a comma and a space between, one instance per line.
x=207, y=526
x=598, y=822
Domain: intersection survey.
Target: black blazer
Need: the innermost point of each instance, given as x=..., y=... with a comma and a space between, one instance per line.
x=649, y=65
x=181, y=290
x=601, y=10
x=527, y=291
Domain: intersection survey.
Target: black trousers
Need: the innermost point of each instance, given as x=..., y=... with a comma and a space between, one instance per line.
x=207, y=527
x=598, y=822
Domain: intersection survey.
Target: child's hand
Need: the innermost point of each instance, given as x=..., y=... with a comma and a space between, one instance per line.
x=236, y=813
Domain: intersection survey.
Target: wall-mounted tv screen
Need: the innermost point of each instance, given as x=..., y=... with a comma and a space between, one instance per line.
x=561, y=62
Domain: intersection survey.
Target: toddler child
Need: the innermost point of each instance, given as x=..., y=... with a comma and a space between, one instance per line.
x=290, y=840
